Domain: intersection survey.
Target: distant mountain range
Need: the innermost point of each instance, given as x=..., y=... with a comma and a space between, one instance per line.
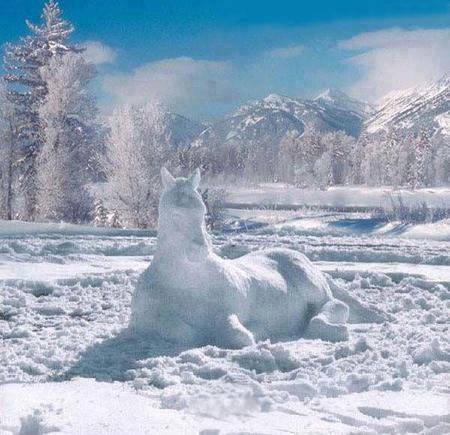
x=265, y=122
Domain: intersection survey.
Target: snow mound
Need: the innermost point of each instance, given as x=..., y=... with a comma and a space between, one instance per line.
x=34, y=424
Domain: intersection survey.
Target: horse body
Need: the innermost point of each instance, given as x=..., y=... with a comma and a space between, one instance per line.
x=192, y=296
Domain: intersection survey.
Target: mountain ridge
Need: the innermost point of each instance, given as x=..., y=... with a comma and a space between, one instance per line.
x=425, y=106
x=264, y=122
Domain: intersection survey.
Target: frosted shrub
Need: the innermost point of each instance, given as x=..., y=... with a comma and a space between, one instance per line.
x=398, y=210
x=113, y=220
x=214, y=199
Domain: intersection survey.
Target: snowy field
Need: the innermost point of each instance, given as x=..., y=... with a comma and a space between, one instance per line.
x=68, y=365
x=337, y=196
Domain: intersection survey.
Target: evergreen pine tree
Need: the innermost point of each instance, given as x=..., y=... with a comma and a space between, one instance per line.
x=27, y=89
x=8, y=156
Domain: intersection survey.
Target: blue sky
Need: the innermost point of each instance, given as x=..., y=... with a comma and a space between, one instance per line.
x=203, y=58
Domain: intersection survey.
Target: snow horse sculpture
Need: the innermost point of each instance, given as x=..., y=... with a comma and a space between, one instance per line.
x=191, y=296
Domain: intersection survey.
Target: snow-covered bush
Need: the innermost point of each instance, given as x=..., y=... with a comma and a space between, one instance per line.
x=113, y=220
x=398, y=210
x=32, y=424
x=214, y=199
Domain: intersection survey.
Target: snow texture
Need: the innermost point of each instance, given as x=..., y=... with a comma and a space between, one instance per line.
x=65, y=303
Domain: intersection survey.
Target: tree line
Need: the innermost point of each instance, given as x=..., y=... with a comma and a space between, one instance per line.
x=138, y=145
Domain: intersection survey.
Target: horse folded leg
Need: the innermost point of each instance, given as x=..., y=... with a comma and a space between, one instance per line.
x=319, y=328
x=234, y=334
x=335, y=311
x=329, y=324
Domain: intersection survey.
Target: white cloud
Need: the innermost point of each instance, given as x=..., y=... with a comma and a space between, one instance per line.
x=175, y=82
x=286, y=52
x=98, y=53
x=396, y=58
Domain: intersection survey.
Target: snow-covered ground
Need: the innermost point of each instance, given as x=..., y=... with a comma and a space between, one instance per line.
x=67, y=363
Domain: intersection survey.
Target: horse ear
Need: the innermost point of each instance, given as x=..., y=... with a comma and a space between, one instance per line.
x=167, y=178
x=195, y=179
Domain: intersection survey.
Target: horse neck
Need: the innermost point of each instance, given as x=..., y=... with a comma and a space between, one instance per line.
x=182, y=240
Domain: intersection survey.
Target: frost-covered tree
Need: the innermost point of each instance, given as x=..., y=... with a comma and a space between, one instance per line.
x=381, y=159
x=402, y=157
x=356, y=175
x=27, y=89
x=441, y=159
x=69, y=134
x=54, y=32
x=297, y=156
x=8, y=155
x=315, y=159
x=389, y=159
x=386, y=158
x=136, y=152
x=323, y=171
x=287, y=157
x=100, y=214
x=214, y=199
x=339, y=147
x=423, y=158
x=370, y=167
x=184, y=160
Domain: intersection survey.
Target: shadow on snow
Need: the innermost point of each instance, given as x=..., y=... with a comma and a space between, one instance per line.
x=111, y=359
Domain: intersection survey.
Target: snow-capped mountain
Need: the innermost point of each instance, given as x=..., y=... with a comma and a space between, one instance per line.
x=335, y=99
x=179, y=131
x=426, y=106
x=265, y=122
